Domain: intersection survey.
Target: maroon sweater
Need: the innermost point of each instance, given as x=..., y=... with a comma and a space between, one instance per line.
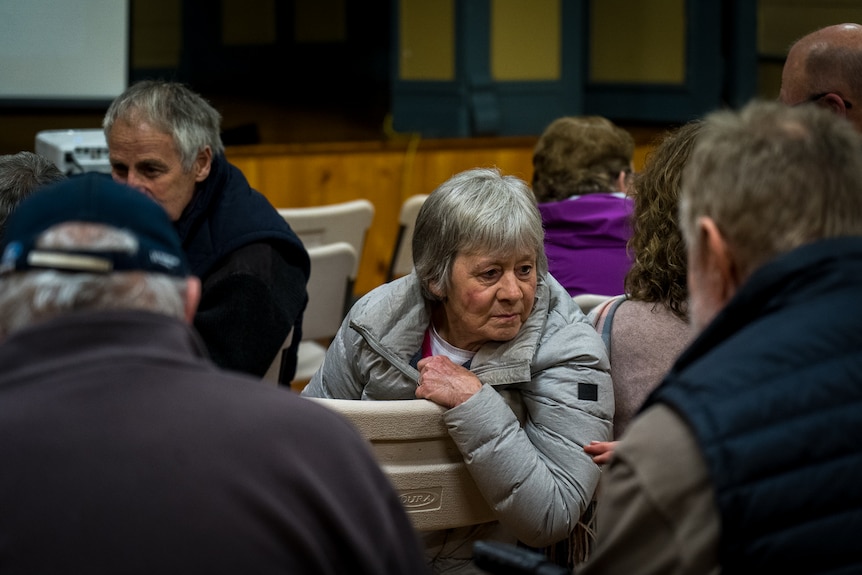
x=125, y=451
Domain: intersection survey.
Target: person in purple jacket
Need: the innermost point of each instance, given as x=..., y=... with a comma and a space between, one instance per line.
x=581, y=167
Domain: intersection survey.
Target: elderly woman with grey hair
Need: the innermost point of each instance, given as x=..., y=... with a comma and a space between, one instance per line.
x=482, y=329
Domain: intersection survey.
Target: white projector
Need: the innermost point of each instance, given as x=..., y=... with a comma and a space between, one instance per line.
x=75, y=151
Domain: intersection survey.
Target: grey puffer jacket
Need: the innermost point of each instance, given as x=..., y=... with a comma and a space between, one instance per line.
x=534, y=475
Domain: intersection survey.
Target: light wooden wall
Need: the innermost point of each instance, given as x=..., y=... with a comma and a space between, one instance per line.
x=386, y=173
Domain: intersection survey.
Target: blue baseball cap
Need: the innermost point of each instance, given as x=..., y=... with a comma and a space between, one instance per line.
x=92, y=198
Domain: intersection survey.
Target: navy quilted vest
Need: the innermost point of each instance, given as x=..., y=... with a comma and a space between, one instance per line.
x=773, y=392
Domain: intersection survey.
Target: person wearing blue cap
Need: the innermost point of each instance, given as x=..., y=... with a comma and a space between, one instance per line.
x=164, y=140
x=126, y=450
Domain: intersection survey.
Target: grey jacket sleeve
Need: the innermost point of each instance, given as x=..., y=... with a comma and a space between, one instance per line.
x=537, y=477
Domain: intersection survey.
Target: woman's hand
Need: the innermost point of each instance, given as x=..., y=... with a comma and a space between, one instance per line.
x=601, y=451
x=444, y=382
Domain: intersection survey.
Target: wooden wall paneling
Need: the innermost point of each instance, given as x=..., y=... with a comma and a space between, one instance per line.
x=386, y=173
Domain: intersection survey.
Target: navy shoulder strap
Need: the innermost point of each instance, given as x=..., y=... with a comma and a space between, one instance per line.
x=606, y=327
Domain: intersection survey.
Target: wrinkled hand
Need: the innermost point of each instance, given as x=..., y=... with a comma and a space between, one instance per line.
x=601, y=451
x=444, y=382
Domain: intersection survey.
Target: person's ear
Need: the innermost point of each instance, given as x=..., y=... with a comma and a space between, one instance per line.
x=623, y=181
x=835, y=103
x=436, y=290
x=193, y=297
x=203, y=163
x=719, y=259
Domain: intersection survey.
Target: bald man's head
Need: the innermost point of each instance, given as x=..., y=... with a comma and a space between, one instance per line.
x=825, y=67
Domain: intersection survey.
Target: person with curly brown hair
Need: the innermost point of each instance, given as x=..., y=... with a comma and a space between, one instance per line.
x=647, y=328
x=746, y=458
x=581, y=166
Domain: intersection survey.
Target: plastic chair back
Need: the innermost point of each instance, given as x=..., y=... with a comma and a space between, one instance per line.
x=343, y=222
x=401, y=262
x=328, y=295
x=414, y=448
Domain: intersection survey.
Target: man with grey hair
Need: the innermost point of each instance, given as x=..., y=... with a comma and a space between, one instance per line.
x=825, y=67
x=20, y=175
x=125, y=450
x=164, y=140
x=747, y=458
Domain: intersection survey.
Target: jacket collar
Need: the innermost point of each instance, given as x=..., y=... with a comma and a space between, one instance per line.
x=790, y=279
x=95, y=336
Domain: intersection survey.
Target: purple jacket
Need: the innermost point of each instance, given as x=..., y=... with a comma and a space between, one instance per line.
x=585, y=240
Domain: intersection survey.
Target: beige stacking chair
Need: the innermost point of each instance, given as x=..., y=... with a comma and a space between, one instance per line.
x=343, y=222
x=332, y=268
x=401, y=263
x=414, y=448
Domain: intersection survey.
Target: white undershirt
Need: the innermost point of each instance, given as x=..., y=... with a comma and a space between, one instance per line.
x=440, y=346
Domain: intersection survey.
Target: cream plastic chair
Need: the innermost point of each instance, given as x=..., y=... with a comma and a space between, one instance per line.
x=343, y=222
x=401, y=263
x=329, y=284
x=588, y=301
x=414, y=448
